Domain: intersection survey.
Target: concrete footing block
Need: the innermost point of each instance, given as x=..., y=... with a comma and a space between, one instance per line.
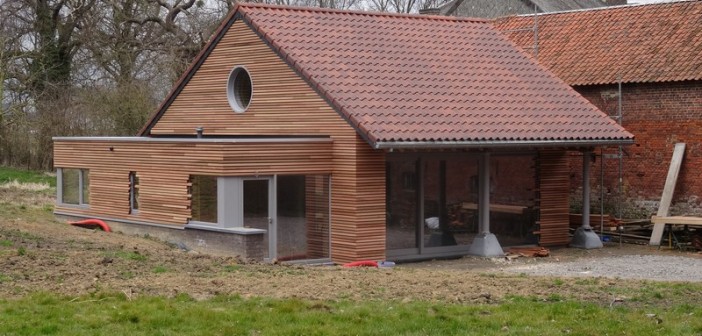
x=586, y=239
x=486, y=245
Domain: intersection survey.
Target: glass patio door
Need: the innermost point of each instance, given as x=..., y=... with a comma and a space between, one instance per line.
x=259, y=211
x=302, y=222
x=294, y=212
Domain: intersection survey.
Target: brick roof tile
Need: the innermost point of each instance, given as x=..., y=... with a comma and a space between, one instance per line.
x=642, y=43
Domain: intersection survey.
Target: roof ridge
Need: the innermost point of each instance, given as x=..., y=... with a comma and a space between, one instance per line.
x=364, y=13
x=608, y=8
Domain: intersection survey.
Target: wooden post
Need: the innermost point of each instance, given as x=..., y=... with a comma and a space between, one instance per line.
x=667, y=197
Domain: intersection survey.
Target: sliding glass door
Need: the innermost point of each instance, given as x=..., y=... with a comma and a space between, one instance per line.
x=432, y=201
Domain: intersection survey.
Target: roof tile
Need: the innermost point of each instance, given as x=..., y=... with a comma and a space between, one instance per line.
x=642, y=43
x=406, y=78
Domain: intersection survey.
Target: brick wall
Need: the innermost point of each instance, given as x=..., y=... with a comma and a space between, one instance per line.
x=659, y=115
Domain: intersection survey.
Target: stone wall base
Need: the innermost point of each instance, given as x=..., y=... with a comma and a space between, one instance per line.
x=215, y=241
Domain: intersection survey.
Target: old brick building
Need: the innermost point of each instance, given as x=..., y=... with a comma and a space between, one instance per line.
x=655, y=51
x=499, y=8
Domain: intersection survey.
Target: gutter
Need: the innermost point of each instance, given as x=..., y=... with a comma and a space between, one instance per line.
x=198, y=140
x=391, y=145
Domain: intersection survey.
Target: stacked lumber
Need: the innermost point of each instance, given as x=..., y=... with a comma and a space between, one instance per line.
x=552, y=198
x=610, y=223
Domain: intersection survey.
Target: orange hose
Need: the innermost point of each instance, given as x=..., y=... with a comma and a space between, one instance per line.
x=92, y=222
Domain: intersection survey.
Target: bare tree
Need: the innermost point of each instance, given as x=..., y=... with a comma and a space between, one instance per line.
x=401, y=6
x=183, y=27
x=42, y=60
x=81, y=67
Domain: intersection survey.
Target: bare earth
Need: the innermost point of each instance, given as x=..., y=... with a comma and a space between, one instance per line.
x=38, y=253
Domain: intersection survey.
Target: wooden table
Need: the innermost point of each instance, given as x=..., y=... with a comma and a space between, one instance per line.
x=511, y=209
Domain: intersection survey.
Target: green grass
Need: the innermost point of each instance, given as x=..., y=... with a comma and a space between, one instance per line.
x=4, y=278
x=47, y=314
x=25, y=176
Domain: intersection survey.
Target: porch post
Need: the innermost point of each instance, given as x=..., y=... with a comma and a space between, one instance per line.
x=485, y=244
x=584, y=236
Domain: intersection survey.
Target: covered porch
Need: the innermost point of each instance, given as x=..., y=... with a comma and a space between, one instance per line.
x=442, y=204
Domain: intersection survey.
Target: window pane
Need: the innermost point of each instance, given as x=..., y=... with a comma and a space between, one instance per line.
x=303, y=217
x=134, y=190
x=450, y=201
x=204, y=199
x=402, y=205
x=69, y=186
x=512, y=185
x=86, y=186
x=256, y=208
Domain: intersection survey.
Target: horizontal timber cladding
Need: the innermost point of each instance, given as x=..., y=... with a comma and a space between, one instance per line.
x=164, y=169
x=554, y=184
x=284, y=104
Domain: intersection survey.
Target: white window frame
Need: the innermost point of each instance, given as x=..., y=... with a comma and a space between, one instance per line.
x=233, y=98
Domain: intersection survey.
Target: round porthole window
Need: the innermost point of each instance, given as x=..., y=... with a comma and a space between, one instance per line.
x=239, y=89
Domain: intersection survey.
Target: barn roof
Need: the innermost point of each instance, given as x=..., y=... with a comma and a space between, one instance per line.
x=642, y=43
x=497, y=8
x=425, y=81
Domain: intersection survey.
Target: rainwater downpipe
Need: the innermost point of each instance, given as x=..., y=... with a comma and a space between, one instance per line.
x=601, y=190
x=621, y=152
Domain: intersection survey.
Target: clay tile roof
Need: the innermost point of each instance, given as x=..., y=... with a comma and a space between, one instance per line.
x=643, y=43
x=408, y=79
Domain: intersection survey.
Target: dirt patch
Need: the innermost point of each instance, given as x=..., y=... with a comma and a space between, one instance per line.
x=27, y=194
x=38, y=253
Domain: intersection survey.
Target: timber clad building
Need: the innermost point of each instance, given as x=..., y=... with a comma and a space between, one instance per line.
x=303, y=134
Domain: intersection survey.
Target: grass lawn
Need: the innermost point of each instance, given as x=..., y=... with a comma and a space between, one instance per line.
x=47, y=314
x=25, y=176
x=48, y=270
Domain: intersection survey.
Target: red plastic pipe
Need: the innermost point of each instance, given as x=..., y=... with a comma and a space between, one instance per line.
x=92, y=223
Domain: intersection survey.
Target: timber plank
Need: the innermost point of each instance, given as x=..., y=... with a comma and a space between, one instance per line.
x=667, y=197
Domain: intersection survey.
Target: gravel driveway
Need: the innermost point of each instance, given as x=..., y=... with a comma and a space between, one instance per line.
x=649, y=267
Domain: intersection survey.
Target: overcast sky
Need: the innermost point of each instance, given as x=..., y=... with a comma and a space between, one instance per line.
x=647, y=1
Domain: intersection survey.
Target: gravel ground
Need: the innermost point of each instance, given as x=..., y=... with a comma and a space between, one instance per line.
x=644, y=267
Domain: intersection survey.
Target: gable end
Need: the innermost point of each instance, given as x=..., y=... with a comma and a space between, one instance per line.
x=204, y=54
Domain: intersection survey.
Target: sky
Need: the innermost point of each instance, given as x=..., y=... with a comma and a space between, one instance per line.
x=647, y=1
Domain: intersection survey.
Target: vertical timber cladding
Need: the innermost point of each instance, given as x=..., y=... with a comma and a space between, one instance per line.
x=164, y=168
x=554, y=184
x=284, y=104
